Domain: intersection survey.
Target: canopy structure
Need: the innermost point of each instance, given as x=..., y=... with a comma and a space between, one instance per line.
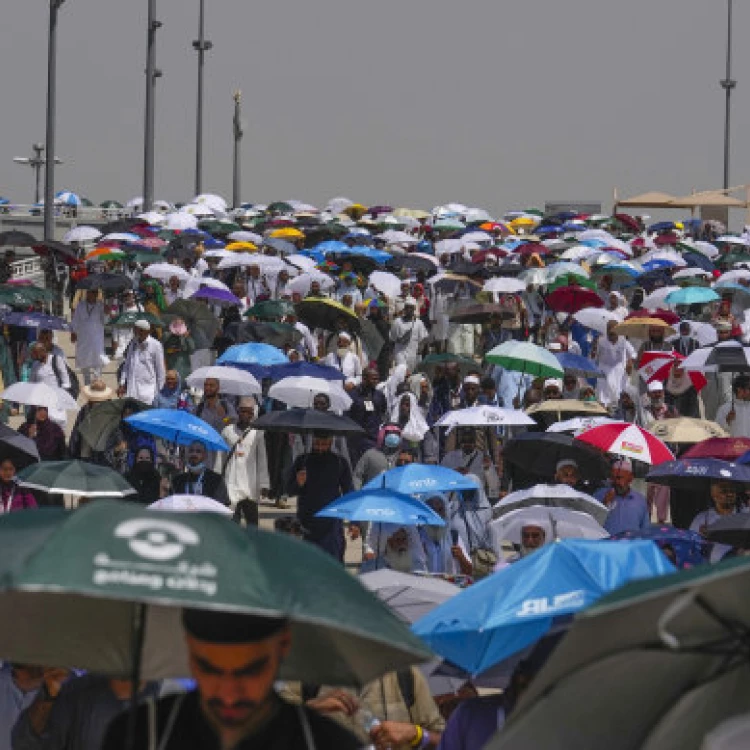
x=653, y=199
x=709, y=201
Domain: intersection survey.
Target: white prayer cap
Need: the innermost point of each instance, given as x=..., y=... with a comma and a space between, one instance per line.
x=410, y=301
x=344, y=335
x=655, y=385
x=624, y=464
x=553, y=383
x=471, y=379
x=144, y=325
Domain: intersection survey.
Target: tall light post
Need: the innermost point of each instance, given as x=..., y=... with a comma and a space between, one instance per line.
x=728, y=84
x=237, y=165
x=201, y=45
x=152, y=73
x=49, y=169
x=36, y=162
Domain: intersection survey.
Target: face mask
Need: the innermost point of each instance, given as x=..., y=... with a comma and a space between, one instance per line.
x=342, y=351
x=196, y=468
x=391, y=441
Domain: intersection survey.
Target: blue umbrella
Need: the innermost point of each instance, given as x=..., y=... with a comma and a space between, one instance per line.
x=330, y=246
x=263, y=355
x=662, y=226
x=660, y=264
x=510, y=610
x=35, y=320
x=421, y=479
x=692, y=295
x=211, y=243
x=690, y=547
x=177, y=426
x=698, y=260
x=280, y=245
x=304, y=369
x=382, y=506
x=581, y=367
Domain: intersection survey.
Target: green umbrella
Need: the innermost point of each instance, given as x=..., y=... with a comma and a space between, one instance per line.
x=216, y=226
x=110, y=204
x=655, y=665
x=127, y=319
x=203, y=324
x=145, y=257
x=270, y=309
x=275, y=334
x=23, y=294
x=571, y=279
x=97, y=426
x=432, y=361
x=74, y=478
x=527, y=358
x=96, y=571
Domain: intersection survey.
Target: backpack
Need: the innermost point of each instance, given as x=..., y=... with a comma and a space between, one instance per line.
x=75, y=386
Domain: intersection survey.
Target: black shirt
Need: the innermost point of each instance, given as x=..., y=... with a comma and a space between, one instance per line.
x=190, y=729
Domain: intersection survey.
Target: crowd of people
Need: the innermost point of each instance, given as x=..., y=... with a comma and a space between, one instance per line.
x=399, y=321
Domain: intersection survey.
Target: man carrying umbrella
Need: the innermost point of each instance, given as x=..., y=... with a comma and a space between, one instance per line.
x=734, y=416
x=143, y=371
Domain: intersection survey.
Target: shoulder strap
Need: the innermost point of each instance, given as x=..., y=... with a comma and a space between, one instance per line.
x=306, y=728
x=56, y=370
x=406, y=685
x=233, y=449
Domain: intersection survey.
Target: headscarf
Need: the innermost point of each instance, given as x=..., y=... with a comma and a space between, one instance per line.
x=414, y=430
x=390, y=387
x=415, y=382
x=381, y=532
x=155, y=286
x=638, y=414
x=677, y=385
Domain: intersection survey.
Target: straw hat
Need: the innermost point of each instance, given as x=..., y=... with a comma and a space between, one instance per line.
x=97, y=391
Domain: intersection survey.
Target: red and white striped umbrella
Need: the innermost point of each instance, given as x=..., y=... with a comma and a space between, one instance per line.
x=628, y=441
x=657, y=366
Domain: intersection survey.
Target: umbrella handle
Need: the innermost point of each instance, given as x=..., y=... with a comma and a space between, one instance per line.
x=139, y=631
x=670, y=613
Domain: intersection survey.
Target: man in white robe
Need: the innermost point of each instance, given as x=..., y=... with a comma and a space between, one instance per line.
x=408, y=334
x=143, y=371
x=615, y=356
x=87, y=326
x=344, y=360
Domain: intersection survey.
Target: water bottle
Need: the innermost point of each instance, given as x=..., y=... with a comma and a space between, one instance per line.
x=368, y=721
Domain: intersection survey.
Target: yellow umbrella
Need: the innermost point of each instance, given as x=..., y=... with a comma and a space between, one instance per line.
x=637, y=328
x=287, y=233
x=411, y=213
x=355, y=211
x=524, y=221
x=686, y=430
x=247, y=247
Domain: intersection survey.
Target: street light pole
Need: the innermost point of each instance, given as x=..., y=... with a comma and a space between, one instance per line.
x=201, y=46
x=49, y=170
x=36, y=162
x=149, y=130
x=728, y=84
x=237, y=168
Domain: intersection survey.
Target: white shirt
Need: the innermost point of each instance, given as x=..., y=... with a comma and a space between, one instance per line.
x=144, y=371
x=349, y=365
x=246, y=472
x=740, y=425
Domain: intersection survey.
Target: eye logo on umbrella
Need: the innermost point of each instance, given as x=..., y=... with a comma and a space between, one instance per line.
x=156, y=539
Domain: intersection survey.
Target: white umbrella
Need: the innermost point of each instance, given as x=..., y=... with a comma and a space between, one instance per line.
x=730, y=239
x=663, y=254
x=82, y=234
x=696, y=361
x=198, y=503
x=504, y=285
x=214, y=202
x=385, y=282
x=705, y=333
x=449, y=247
x=553, y=496
x=579, y=424
x=431, y=258
x=162, y=206
x=245, y=236
x=396, y=237
x=579, y=252
x=303, y=282
x=736, y=275
x=300, y=392
x=165, y=271
x=565, y=524
x=478, y=236
x=153, y=217
x=691, y=273
x=121, y=237
x=198, y=209
x=484, y=415
x=658, y=298
x=709, y=250
x=232, y=381
x=596, y=318
x=181, y=220
x=218, y=254
x=266, y=263
x=39, y=394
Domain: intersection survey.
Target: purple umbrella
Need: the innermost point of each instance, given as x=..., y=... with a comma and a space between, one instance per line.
x=216, y=296
x=35, y=320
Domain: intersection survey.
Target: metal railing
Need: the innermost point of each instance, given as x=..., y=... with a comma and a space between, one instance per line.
x=28, y=269
x=79, y=214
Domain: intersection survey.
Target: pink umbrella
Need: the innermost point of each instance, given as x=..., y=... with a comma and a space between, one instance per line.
x=628, y=441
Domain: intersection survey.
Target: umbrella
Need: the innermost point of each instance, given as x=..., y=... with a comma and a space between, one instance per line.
x=581, y=367
x=278, y=335
x=382, y=506
x=194, y=503
x=35, y=320
x=667, y=316
x=571, y=299
x=22, y=451
x=302, y=369
x=694, y=473
x=685, y=632
x=300, y=392
x=421, y=479
x=387, y=283
x=637, y=328
x=177, y=426
x=595, y=318
x=57, y=250
x=723, y=448
x=409, y=596
x=305, y=421
x=692, y=295
x=39, y=394
x=479, y=313
x=14, y=238
x=216, y=297
x=687, y=430
x=432, y=362
x=99, y=424
x=538, y=454
x=629, y=441
x=327, y=314
x=727, y=356
x=733, y=530
x=86, y=572
x=658, y=297
x=483, y=416
x=82, y=234
x=201, y=322
x=232, y=381
x=689, y=547
x=253, y=356
x=128, y=319
x=527, y=358
x=502, y=285
x=107, y=282
x=556, y=410
x=414, y=262
x=270, y=309
x=74, y=478
x=165, y=271
x=505, y=612
x=579, y=424
x=657, y=366
x=565, y=524
x=552, y=496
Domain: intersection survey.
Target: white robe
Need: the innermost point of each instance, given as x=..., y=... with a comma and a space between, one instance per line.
x=612, y=360
x=740, y=425
x=407, y=337
x=246, y=472
x=462, y=337
x=349, y=366
x=144, y=370
x=88, y=325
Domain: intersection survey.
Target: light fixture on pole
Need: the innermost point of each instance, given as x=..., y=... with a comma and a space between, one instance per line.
x=152, y=73
x=237, y=167
x=36, y=162
x=728, y=84
x=49, y=169
x=201, y=45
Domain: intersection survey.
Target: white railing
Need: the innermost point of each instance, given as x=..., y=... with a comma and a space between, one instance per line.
x=78, y=214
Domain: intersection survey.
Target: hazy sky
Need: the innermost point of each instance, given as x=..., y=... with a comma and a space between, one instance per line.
x=418, y=102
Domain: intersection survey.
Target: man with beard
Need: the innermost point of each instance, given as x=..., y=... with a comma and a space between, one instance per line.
x=235, y=661
x=444, y=551
x=198, y=479
x=396, y=548
x=533, y=537
x=368, y=410
x=408, y=334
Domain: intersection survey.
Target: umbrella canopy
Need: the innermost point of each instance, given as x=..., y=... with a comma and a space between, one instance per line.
x=382, y=506
x=251, y=355
x=99, y=424
x=85, y=571
x=201, y=322
x=483, y=416
x=301, y=391
x=232, y=381
x=177, y=426
x=14, y=238
x=505, y=612
x=421, y=479
x=432, y=362
x=684, y=631
x=637, y=328
x=22, y=451
x=553, y=496
x=687, y=430
x=304, y=369
x=692, y=295
x=579, y=424
x=689, y=547
x=82, y=234
x=527, y=358
x=128, y=320
x=595, y=318
x=194, y=503
x=693, y=473
x=581, y=367
x=563, y=522
x=275, y=334
x=270, y=310
x=556, y=410
x=478, y=313
x=733, y=530
x=107, y=282
x=723, y=448
x=39, y=394
x=571, y=299
x=628, y=441
x=35, y=320
x=74, y=478
x=305, y=421
x=667, y=316
x=327, y=314
x=728, y=356
x=216, y=297
x=165, y=271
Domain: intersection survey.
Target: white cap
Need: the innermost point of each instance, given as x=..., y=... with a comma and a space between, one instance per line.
x=655, y=385
x=471, y=379
x=562, y=463
x=553, y=383
x=410, y=301
x=144, y=325
x=554, y=346
x=344, y=335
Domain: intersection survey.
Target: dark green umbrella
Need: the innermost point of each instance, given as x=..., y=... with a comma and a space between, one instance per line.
x=74, y=584
x=653, y=666
x=22, y=295
x=21, y=450
x=110, y=204
x=270, y=309
x=432, y=361
x=74, y=478
x=104, y=417
x=275, y=334
x=127, y=319
x=146, y=257
x=216, y=226
x=202, y=323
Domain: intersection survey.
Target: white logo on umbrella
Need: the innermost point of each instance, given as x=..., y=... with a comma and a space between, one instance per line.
x=155, y=539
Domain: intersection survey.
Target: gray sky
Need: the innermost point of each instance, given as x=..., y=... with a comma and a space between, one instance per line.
x=499, y=105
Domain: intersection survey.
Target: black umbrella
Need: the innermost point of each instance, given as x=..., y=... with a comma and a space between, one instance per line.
x=14, y=238
x=305, y=421
x=202, y=323
x=431, y=362
x=19, y=449
x=537, y=454
x=59, y=250
x=478, y=313
x=413, y=263
x=360, y=263
x=733, y=530
x=276, y=334
x=107, y=282
x=321, y=312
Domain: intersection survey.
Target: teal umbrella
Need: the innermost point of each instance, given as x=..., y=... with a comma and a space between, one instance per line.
x=527, y=358
x=74, y=478
x=692, y=296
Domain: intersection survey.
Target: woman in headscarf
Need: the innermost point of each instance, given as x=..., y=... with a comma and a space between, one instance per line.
x=144, y=478
x=125, y=441
x=13, y=497
x=48, y=435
